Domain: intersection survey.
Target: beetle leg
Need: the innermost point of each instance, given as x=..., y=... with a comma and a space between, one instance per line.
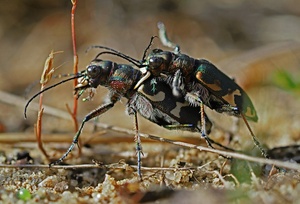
x=211, y=141
x=191, y=127
x=203, y=129
x=100, y=110
x=194, y=100
x=139, y=149
x=178, y=85
x=255, y=140
x=188, y=127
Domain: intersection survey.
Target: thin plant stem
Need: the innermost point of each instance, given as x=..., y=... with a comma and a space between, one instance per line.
x=75, y=65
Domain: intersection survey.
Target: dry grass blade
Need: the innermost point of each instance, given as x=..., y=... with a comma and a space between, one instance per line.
x=45, y=78
x=75, y=63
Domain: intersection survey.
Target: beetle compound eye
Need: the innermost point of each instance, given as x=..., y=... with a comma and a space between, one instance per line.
x=93, y=71
x=156, y=51
x=155, y=62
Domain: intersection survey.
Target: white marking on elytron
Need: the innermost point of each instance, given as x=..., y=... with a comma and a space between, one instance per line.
x=160, y=96
x=176, y=110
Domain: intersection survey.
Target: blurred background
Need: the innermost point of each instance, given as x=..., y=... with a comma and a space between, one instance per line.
x=256, y=42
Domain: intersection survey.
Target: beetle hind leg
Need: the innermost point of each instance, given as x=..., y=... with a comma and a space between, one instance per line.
x=255, y=140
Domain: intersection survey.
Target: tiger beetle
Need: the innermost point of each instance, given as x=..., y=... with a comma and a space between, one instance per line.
x=197, y=80
x=153, y=99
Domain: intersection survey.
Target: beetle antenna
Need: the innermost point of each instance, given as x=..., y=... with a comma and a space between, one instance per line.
x=117, y=53
x=36, y=82
x=123, y=57
x=147, y=48
x=50, y=87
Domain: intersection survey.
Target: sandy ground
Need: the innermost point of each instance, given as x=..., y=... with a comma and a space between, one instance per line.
x=251, y=41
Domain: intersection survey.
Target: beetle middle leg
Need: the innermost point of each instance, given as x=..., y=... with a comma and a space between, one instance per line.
x=178, y=90
x=137, y=139
x=192, y=128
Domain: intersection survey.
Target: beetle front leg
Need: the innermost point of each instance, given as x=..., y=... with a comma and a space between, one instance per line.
x=100, y=110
